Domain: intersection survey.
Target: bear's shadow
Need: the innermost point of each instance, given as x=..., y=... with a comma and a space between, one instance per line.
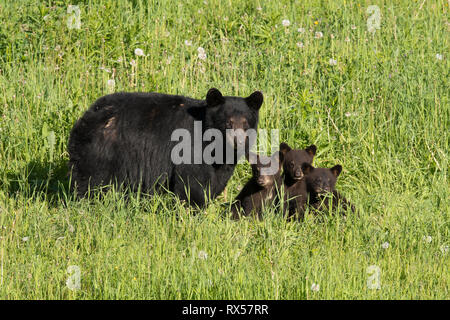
x=49, y=179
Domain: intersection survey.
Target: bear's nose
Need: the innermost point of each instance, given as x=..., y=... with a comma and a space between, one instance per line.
x=298, y=173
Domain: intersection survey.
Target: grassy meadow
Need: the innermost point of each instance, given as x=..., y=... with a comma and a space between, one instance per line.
x=376, y=103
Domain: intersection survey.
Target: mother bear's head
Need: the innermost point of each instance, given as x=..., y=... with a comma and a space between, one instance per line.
x=235, y=117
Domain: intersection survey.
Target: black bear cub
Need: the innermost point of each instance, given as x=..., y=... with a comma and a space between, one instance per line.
x=261, y=189
x=295, y=191
x=320, y=183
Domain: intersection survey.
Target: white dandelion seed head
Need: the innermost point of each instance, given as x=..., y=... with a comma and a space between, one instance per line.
x=139, y=52
x=347, y=39
x=111, y=83
x=333, y=62
x=202, y=255
x=133, y=62
x=301, y=30
x=427, y=239
x=318, y=35
x=201, y=53
x=286, y=23
x=353, y=27
x=300, y=44
x=315, y=287
x=188, y=43
x=439, y=56
x=25, y=239
x=385, y=245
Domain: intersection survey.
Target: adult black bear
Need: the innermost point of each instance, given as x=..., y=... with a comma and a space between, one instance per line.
x=127, y=139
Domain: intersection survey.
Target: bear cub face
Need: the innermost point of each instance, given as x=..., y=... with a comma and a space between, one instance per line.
x=266, y=170
x=233, y=116
x=294, y=158
x=260, y=190
x=321, y=180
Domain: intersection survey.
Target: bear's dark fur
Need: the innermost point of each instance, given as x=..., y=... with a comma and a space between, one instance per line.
x=320, y=183
x=295, y=191
x=125, y=138
x=261, y=189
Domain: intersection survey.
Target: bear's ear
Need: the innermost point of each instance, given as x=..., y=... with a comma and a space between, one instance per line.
x=336, y=170
x=214, y=97
x=284, y=148
x=255, y=100
x=311, y=150
x=307, y=168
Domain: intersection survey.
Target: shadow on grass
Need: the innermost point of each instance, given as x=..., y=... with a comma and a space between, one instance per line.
x=47, y=180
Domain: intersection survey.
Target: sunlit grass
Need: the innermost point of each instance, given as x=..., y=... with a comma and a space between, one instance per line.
x=375, y=103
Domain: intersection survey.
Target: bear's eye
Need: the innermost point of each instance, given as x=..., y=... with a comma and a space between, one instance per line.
x=291, y=164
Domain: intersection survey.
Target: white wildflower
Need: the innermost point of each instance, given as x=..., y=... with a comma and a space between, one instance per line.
x=286, y=23
x=300, y=44
x=188, y=43
x=385, y=245
x=139, y=52
x=301, y=30
x=315, y=287
x=25, y=239
x=333, y=62
x=427, y=239
x=439, y=56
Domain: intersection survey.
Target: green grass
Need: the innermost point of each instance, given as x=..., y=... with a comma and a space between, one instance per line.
x=382, y=112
